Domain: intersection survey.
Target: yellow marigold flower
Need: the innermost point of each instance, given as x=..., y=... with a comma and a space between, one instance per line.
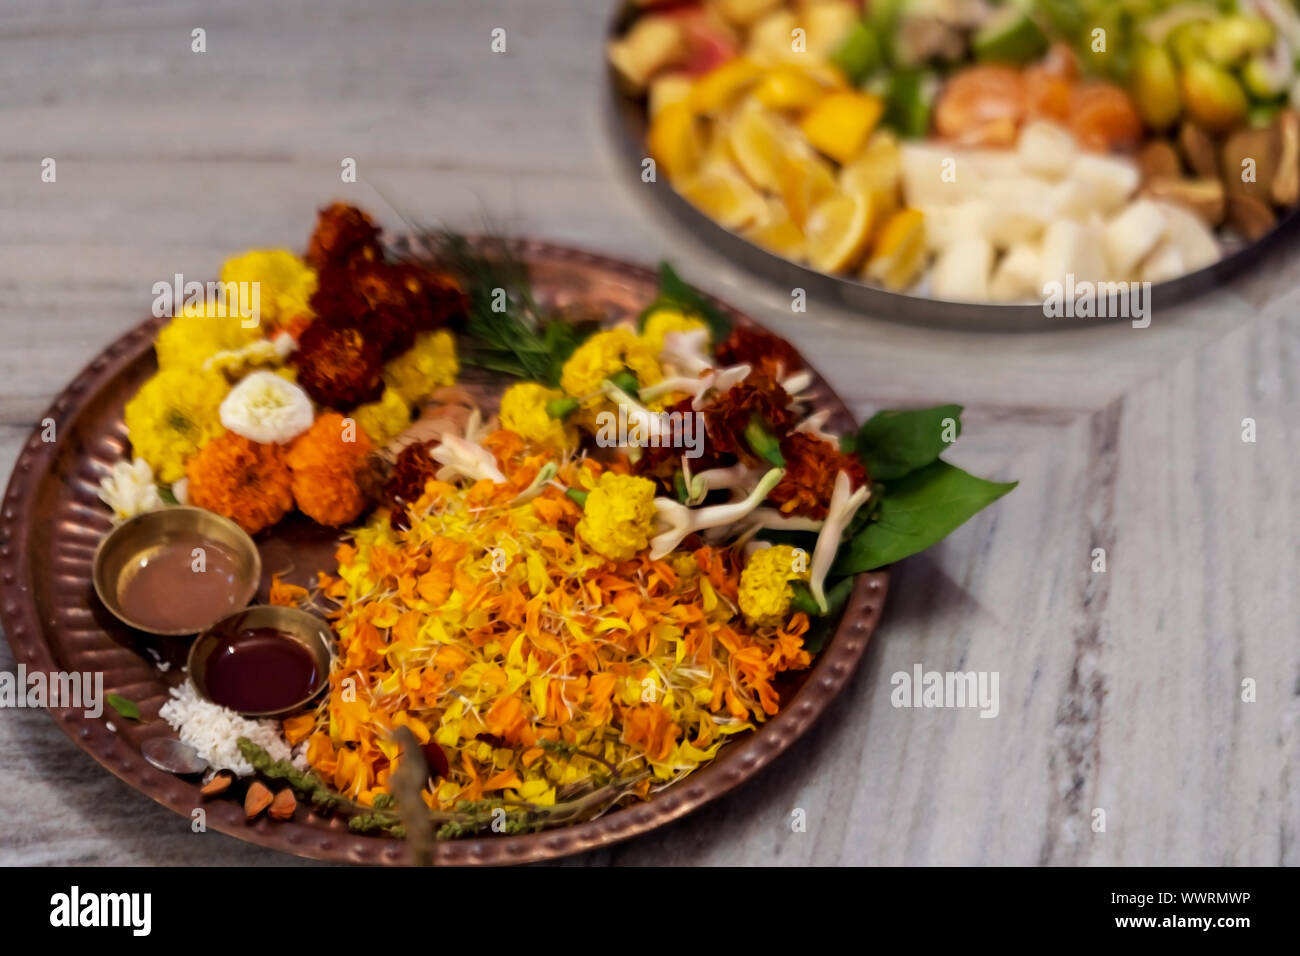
x=285, y=283
x=662, y=321
x=523, y=411
x=199, y=332
x=618, y=515
x=606, y=354
x=384, y=420
x=765, y=592
x=174, y=413
x=428, y=364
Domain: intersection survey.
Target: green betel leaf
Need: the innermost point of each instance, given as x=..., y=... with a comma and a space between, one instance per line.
x=893, y=443
x=916, y=512
x=124, y=706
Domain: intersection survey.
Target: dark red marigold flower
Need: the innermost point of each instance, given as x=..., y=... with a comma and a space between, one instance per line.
x=811, y=464
x=758, y=398
x=770, y=354
x=338, y=367
x=344, y=235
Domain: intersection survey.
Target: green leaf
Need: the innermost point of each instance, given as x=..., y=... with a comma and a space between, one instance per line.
x=916, y=512
x=676, y=293
x=124, y=706
x=821, y=627
x=893, y=443
x=167, y=495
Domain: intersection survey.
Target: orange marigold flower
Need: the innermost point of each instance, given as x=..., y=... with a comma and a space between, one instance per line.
x=326, y=463
x=811, y=465
x=759, y=398
x=770, y=354
x=246, y=481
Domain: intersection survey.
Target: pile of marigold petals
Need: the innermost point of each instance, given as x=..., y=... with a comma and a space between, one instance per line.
x=487, y=628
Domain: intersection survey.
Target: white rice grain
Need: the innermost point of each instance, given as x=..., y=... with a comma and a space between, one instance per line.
x=214, y=731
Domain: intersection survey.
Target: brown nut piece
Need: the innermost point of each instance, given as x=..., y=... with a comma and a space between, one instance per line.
x=1198, y=150
x=257, y=799
x=1158, y=159
x=1249, y=162
x=218, y=784
x=283, y=805
x=1286, y=183
x=1251, y=217
x=1204, y=197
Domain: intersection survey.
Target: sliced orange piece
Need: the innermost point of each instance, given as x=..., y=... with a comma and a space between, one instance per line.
x=722, y=194
x=838, y=230
x=840, y=123
x=674, y=140
x=900, y=250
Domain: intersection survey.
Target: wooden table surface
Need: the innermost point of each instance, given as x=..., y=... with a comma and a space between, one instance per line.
x=1120, y=691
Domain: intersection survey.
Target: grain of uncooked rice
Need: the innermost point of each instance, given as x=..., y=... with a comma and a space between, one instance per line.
x=213, y=731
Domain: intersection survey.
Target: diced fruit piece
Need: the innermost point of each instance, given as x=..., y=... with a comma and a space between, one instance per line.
x=1102, y=117
x=1106, y=182
x=1131, y=235
x=1185, y=41
x=770, y=40
x=944, y=225
x=1009, y=36
x=934, y=174
x=723, y=195
x=837, y=231
x=1072, y=248
x=1231, y=39
x=859, y=53
x=907, y=102
x=1267, y=77
x=1021, y=210
x=961, y=272
x=652, y=44
x=669, y=88
x=1205, y=197
x=877, y=169
x=1045, y=149
x=742, y=13
x=788, y=87
x=1015, y=279
x=1212, y=97
x=980, y=100
x=709, y=39
x=674, y=140
x=759, y=142
x=900, y=250
x=1155, y=86
x=805, y=181
x=716, y=91
x=827, y=24
x=840, y=123
x=1164, y=262
x=1193, y=239
x=778, y=233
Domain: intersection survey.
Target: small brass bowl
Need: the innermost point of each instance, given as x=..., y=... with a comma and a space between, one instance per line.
x=307, y=629
x=121, y=550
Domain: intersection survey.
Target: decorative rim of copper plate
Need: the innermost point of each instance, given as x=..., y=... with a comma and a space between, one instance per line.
x=37, y=634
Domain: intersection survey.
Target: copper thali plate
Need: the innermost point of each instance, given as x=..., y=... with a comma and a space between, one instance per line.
x=52, y=520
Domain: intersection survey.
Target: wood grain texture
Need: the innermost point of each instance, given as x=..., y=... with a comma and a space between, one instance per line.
x=1119, y=691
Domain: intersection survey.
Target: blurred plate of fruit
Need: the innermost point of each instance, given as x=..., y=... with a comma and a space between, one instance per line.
x=947, y=160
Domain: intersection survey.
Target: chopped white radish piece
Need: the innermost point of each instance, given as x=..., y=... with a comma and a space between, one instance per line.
x=1190, y=235
x=936, y=175
x=1131, y=235
x=1106, y=183
x=961, y=272
x=1165, y=261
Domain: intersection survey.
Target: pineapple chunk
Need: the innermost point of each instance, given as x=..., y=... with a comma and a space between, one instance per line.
x=668, y=89
x=653, y=44
x=742, y=13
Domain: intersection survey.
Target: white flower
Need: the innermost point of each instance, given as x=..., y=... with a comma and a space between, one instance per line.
x=461, y=458
x=129, y=489
x=181, y=490
x=839, y=513
x=682, y=521
x=267, y=408
x=687, y=352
